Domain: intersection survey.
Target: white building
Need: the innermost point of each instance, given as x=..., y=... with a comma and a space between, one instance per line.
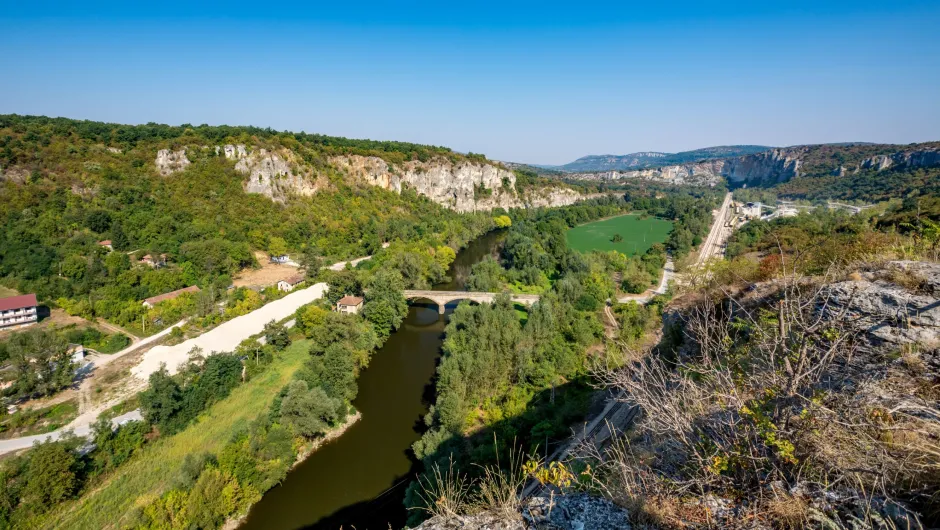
x=287, y=284
x=349, y=304
x=18, y=310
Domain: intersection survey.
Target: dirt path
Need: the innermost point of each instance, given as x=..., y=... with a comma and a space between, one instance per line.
x=115, y=329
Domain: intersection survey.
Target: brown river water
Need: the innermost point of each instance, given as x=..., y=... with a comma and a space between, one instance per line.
x=359, y=480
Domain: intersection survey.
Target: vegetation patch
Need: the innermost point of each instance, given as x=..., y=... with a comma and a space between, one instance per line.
x=153, y=470
x=629, y=234
x=38, y=421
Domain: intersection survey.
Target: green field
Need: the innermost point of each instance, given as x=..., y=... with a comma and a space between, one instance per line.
x=638, y=234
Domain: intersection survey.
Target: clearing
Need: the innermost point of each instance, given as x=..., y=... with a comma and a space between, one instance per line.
x=268, y=274
x=639, y=234
x=150, y=472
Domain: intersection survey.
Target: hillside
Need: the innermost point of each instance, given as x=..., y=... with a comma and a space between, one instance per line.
x=650, y=159
x=845, y=171
x=208, y=197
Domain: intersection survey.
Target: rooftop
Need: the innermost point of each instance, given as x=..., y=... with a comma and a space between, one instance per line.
x=350, y=300
x=18, y=302
x=154, y=300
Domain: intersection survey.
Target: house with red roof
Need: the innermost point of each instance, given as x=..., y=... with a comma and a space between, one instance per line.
x=18, y=310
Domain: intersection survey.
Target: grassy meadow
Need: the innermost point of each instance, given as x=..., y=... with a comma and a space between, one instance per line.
x=638, y=234
x=151, y=472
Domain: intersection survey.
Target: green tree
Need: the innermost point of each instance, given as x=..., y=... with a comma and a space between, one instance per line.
x=162, y=399
x=309, y=411
x=51, y=476
x=276, y=335
x=41, y=362
x=385, y=306
x=277, y=246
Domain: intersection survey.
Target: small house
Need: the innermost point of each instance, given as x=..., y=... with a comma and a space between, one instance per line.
x=284, y=258
x=154, y=300
x=155, y=262
x=77, y=352
x=349, y=304
x=18, y=310
x=106, y=244
x=287, y=284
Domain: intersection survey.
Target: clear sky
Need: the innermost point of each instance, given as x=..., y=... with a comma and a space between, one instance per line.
x=540, y=82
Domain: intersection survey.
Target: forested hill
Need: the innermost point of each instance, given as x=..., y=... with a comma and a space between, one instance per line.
x=208, y=197
x=650, y=159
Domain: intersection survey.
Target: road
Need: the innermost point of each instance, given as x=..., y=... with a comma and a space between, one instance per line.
x=714, y=244
x=669, y=272
x=83, y=430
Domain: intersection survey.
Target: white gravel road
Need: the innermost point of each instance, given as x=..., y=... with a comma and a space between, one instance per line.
x=227, y=335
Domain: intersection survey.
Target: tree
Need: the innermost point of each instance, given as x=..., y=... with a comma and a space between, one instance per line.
x=51, y=476
x=309, y=411
x=277, y=246
x=502, y=221
x=339, y=373
x=486, y=276
x=385, y=306
x=118, y=237
x=617, y=238
x=41, y=361
x=162, y=399
x=276, y=335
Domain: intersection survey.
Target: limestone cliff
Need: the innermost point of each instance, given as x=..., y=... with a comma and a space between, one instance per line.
x=770, y=167
x=277, y=175
x=169, y=162
x=464, y=186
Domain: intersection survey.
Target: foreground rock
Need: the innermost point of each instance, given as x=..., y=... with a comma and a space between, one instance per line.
x=559, y=512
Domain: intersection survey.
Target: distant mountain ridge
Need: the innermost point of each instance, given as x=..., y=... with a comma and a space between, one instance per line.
x=650, y=159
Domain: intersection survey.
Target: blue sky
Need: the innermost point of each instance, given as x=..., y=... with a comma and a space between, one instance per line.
x=538, y=82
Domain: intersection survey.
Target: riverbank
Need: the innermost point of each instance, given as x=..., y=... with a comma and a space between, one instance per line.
x=305, y=452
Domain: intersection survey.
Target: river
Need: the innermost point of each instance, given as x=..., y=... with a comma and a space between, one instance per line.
x=359, y=480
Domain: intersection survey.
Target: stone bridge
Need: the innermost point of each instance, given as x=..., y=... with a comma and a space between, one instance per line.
x=442, y=298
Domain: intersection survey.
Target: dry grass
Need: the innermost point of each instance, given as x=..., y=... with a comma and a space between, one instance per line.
x=770, y=402
x=267, y=274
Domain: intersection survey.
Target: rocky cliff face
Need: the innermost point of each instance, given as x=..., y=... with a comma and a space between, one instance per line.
x=463, y=186
x=169, y=162
x=770, y=167
x=273, y=174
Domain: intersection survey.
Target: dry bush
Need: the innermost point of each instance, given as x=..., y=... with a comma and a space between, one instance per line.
x=499, y=489
x=444, y=494
x=772, y=391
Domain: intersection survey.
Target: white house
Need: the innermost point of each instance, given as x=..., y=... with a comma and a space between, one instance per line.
x=287, y=284
x=18, y=310
x=349, y=304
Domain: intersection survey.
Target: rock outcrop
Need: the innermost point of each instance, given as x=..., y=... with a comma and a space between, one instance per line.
x=902, y=159
x=560, y=512
x=463, y=186
x=277, y=175
x=169, y=162
x=893, y=306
